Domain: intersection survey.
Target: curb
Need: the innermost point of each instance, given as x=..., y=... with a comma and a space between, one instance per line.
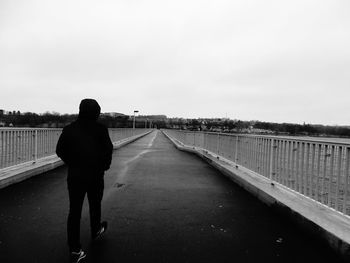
x=18, y=173
x=317, y=219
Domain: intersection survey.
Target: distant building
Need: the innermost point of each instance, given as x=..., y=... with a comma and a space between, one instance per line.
x=113, y=114
x=153, y=117
x=258, y=131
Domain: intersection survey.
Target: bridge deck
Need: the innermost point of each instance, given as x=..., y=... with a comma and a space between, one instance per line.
x=162, y=205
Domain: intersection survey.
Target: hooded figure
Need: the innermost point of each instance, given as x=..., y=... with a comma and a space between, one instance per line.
x=85, y=147
x=89, y=109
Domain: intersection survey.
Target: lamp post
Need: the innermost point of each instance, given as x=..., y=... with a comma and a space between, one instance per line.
x=133, y=124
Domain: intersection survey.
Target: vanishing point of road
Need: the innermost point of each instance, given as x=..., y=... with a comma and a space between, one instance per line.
x=162, y=205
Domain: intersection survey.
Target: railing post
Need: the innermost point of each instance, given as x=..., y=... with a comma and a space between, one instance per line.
x=2, y=149
x=217, y=144
x=236, y=151
x=339, y=169
x=35, y=145
x=194, y=139
x=271, y=159
x=346, y=186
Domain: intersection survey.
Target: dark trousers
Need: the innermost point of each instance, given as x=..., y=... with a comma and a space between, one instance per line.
x=77, y=189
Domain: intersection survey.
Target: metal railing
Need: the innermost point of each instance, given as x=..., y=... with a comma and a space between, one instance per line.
x=316, y=169
x=22, y=145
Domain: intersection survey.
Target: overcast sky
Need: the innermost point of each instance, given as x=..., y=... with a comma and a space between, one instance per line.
x=271, y=60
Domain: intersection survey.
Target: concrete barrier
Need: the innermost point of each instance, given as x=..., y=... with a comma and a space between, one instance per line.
x=319, y=220
x=18, y=173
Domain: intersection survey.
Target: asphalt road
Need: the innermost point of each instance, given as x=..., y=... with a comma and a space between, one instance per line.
x=162, y=205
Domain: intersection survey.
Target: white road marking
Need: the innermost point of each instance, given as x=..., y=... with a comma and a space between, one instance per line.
x=123, y=171
x=152, y=140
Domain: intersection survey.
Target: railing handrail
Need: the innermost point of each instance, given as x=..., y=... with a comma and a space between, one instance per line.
x=56, y=129
x=283, y=137
x=28, y=128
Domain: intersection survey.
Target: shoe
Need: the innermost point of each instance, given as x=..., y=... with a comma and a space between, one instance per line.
x=102, y=229
x=76, y=257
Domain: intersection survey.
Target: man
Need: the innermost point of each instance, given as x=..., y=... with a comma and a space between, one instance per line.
x=86, y=148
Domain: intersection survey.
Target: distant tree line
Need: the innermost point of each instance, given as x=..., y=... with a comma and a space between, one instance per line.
x=239, y=126
x=304, y=129
x=56, y=120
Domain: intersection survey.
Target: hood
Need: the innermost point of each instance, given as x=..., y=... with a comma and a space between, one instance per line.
x=89, y=110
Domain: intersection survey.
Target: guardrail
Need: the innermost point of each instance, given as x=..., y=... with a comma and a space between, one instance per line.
x=22, y=145
x=316, y=169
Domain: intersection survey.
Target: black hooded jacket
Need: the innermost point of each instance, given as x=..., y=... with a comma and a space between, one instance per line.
x=85, y=145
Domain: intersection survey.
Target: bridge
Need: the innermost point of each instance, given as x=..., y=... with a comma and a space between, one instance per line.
x=174, y=196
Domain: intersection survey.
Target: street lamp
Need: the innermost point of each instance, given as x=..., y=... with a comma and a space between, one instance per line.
x=133, y=124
